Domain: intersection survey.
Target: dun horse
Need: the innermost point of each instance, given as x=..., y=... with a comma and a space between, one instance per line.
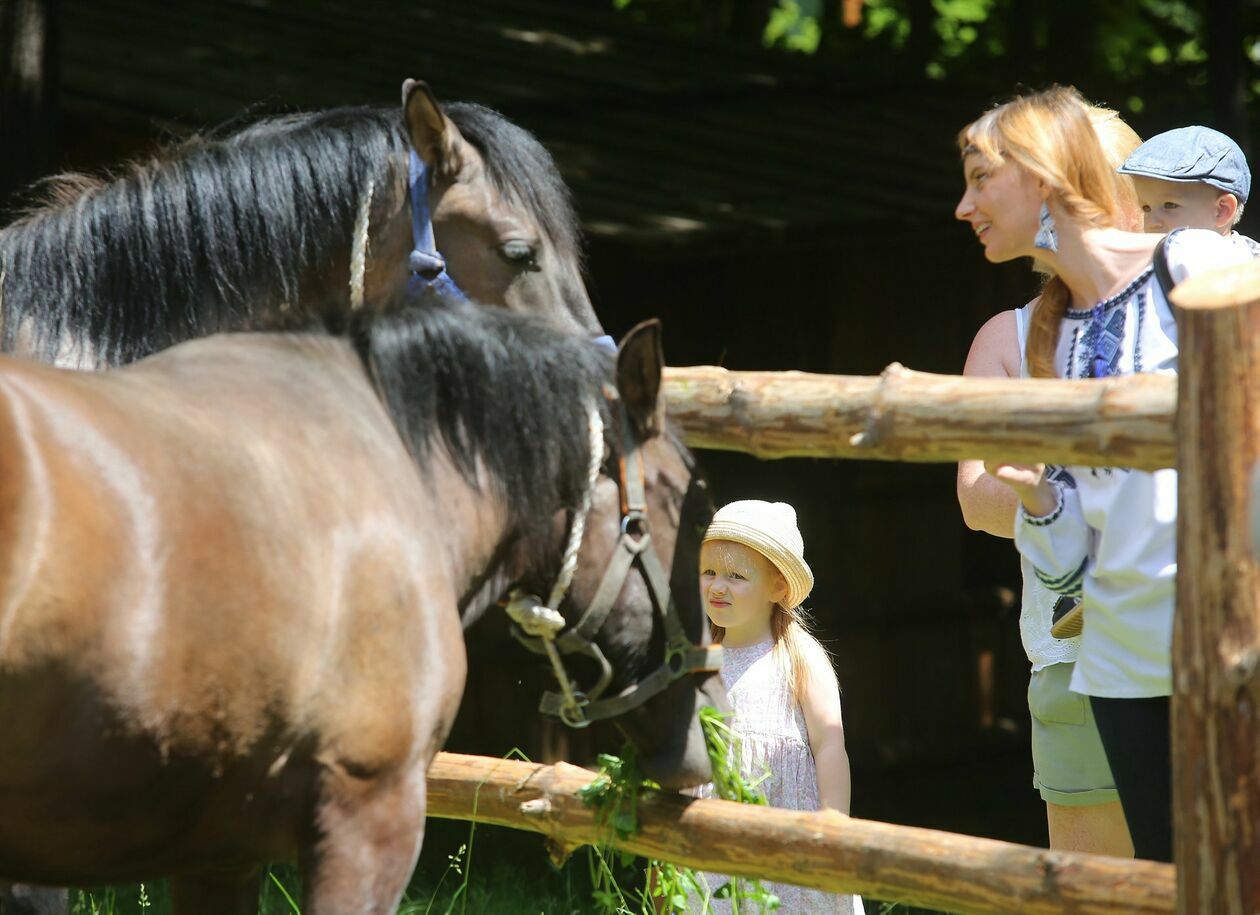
x=231, y=578
x=262, y=228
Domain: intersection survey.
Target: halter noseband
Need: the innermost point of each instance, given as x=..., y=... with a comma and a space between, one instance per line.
x=538, y=626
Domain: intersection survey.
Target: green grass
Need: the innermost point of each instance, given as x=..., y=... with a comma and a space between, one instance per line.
x=499, y=885
x=511, y=878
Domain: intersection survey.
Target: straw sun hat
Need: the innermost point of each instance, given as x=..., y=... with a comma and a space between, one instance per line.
x=770, y=529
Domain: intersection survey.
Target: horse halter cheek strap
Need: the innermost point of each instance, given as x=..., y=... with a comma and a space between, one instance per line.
x=538, y=626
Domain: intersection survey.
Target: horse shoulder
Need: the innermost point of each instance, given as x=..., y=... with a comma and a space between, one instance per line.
x=62, y=551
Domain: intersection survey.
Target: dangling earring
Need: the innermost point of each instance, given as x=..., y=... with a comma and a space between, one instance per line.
x=1047, y=238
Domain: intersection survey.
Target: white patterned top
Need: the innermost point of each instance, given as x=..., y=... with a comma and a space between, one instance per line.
x=1111, y=537
x=774, y=739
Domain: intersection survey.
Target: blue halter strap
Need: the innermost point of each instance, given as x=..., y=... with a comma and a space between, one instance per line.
x=428, y=267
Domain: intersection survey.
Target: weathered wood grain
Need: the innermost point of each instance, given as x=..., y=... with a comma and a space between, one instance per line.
x=1216, y=643
x=826, y=850
x=904, y=415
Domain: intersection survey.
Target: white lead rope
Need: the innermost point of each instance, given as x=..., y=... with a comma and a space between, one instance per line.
x=595, y=432
x=544, y=621
x=359, y=246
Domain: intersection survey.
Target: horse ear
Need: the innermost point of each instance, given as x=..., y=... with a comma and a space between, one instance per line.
x=433, y=135
x=640, y=359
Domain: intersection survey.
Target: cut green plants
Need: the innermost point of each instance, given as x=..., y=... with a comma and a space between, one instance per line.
x=663, y=886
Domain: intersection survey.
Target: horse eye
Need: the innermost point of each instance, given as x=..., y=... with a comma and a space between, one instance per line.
x=520, y=254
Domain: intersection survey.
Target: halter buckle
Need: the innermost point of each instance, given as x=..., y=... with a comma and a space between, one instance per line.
x=638, y=520
x=676, y=660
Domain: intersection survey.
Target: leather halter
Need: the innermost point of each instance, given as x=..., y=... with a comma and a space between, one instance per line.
x=578, y=708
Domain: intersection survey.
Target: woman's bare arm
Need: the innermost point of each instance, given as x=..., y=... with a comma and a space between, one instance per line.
x=987, y=504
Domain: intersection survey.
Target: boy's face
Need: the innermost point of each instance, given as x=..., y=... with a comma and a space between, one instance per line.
x=739, y=585
x=1168, y=205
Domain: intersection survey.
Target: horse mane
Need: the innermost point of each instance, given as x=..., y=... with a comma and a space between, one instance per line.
x=505, y=395
x=227, y=230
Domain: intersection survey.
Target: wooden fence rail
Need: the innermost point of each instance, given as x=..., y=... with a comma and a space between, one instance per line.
x=904, y=415
x=825, y=850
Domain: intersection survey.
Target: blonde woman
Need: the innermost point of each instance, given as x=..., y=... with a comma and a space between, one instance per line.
x=1070, y=769
x=1038, y=184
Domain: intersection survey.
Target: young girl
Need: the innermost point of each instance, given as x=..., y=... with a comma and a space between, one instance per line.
x=753, y=578
x=1038, y=185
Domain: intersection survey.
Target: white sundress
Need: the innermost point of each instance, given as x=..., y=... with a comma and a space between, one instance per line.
x=773, y=737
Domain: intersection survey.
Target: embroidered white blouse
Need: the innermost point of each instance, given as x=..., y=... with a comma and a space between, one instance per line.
x=1111, y=537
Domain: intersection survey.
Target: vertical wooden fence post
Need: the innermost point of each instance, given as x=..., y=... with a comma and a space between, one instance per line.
x=1216, y=643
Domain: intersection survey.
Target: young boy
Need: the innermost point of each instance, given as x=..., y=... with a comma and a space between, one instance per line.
x=1194, y=177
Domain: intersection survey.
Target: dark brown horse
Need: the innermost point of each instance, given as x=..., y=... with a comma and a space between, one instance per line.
x=231, y=580
x=280, y=223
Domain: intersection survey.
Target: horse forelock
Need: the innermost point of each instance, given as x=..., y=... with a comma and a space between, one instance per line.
x=221, y=232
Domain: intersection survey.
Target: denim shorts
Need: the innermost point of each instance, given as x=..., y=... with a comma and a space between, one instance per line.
x=1069, y=765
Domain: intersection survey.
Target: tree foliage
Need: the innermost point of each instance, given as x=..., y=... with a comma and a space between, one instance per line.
x=1132, y=54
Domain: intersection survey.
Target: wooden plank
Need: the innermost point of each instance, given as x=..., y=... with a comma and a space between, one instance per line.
x=917, y=416
x=824, y=849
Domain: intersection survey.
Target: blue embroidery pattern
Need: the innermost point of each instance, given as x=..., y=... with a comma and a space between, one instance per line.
x=1101, y=345
x=1069, y=584
x=1050, y=518
x=1056, y=473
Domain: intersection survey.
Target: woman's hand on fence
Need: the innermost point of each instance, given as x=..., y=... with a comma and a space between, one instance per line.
x=1030, y=484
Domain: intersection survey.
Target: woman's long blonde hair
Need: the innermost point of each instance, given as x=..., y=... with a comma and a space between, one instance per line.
x=1074, y=149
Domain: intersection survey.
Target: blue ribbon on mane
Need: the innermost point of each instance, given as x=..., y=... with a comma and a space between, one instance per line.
x=428, y=267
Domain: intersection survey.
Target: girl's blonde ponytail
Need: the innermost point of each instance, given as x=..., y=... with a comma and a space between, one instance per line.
x=791, y=641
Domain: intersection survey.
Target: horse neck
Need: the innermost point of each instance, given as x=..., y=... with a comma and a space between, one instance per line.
x=487, y=542
x=478, y=536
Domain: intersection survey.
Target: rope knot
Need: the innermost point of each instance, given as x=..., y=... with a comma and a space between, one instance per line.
x=533, y=616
